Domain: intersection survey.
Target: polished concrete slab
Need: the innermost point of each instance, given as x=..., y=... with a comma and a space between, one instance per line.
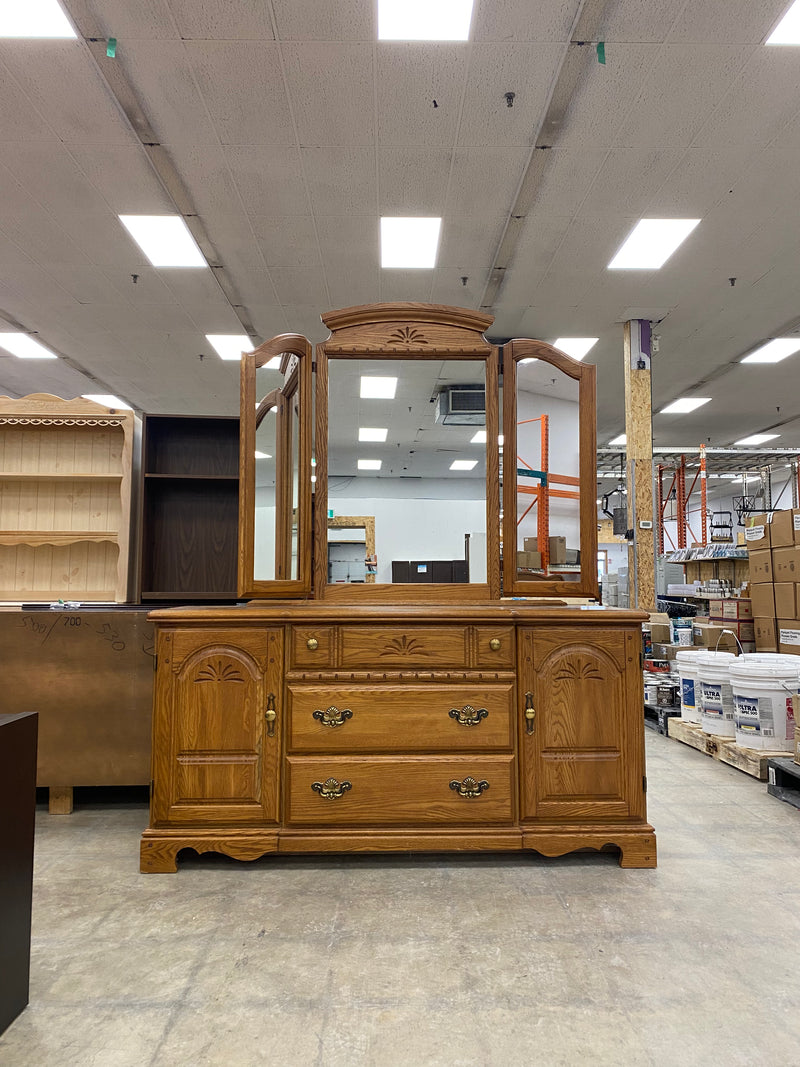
x=426, y=960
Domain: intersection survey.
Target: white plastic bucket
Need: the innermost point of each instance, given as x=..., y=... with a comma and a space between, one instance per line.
x=716, y=696
x=762, y=697
x=690, y=690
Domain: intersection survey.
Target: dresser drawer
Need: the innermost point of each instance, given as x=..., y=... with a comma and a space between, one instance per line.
x=390, y=791
x=404, y=647
x=495, y=647
x=312, y=646
x=401, y=718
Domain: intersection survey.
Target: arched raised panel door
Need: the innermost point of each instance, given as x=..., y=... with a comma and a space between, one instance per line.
x=582, y=748
x=218, y=737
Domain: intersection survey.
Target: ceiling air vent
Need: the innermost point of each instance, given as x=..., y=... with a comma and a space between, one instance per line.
x=461, y=405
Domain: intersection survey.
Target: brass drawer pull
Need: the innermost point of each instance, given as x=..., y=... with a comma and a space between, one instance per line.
x=312, y=643
x=332, y=716
x=468, y=716
x=469, y=788
x=530, y=712
x=270, y=715
x=494, y=644
x=331, y=788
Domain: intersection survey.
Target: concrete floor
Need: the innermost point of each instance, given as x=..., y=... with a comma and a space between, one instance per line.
x=393, y=961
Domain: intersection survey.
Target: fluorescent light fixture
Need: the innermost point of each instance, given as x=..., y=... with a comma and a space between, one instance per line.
x=409, y=243
x=24, y=346
x=651, y=242
x=378, y=388
x=262, y=455
x=479, y=438
x=423, y=20
x=501, y=439
x=774, y=351
x=164, y=239
x=34, y=18
x=621, y=439
x=230, y=345
x=108, y=400
x=788, y=29
x=463, y=464
x=757, y=439
x=369, y=464
x=530, y=359
x=684, y=405
x=372, y=433
x=577, y=347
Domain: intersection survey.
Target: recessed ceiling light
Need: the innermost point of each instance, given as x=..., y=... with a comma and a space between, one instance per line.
x=788, y=29
x=479, y=438
x=20, y=344
x=577, y=347
x=757, y=439
x=622, y=439
x=651, y=242
x=378, y=388
x=421, y=20
x=108, y=400
x=409, y=243
x=231, y=345
x=369, y=464
x=463, y=464
x=34, y=18
x=372, y=433
x=774, y=351
x=262, y=455
x=684, y=405
x=164, y=239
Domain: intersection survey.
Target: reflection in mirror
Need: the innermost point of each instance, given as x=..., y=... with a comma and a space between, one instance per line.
x=407, y=448
x=266, y=476
x=293, y=430
x=547, y=462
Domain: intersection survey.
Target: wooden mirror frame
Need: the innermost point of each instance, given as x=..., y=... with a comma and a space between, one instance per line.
x=295, y=351
x=585, y=375
x=408, y=331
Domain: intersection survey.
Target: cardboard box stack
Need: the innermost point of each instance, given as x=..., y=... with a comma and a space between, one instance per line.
x=736, y=615
x=773, y=548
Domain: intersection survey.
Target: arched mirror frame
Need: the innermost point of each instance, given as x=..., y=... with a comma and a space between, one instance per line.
x=295, y=351
x=585, y=375
x=407, y=331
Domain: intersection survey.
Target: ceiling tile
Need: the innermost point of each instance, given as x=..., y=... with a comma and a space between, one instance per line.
x=716, y=21
x=124, y=178
x=162, y=75
x=410, y=77
x=295, y=285
x=210, y=20
x=447, y=287
x=341, y=181
x=627, y=182
x=269, y=181
x=519, y=20
x=566, y=179
x=413, y=181
x=348, y=239
x=469, y=239
x=351, y=284
x=638, y=21
x=406, y=285
x=126, y=21
x=344, y=114
x=309, y=20
x=485, y=180
x=287, y=242
x=19, y=378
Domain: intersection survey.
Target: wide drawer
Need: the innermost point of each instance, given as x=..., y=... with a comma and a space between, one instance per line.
x=400, y=718
x=411, y=790
x=408, y=647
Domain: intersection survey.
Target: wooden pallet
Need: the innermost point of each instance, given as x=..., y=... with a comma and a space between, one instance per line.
x=784, y=780
x=752, y=761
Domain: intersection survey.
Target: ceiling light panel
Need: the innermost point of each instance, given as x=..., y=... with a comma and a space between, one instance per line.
x=378, y=388
x=108, y=400
x=164, y=239
x=757, y=439
x=369, y=464
x=788, y=29
x=463, y=464
x=651, y=242
x=23, y=346
x=409, y=243
x=479, y=438
x=577, y=347
x=684, y=405
x=372, y=433
x=424, y=20
x=622, y=439
x=230, y=345
x=34, y=18
x=774, y=351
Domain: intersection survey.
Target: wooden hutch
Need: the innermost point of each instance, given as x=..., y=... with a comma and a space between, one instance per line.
x=365, y=715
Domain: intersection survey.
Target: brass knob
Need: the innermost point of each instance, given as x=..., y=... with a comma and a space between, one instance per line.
x=494, y=644
x=312, y=643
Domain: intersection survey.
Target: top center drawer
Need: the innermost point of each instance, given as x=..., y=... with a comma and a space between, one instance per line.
x=356, y=647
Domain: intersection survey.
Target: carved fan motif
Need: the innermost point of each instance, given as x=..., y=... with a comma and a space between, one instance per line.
x=577, y=671
x=404, y=646
x=219, y=672
x=407, y=335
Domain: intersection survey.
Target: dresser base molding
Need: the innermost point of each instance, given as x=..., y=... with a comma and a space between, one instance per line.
x=160, y=848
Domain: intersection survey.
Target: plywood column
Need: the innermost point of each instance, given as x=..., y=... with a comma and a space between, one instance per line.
x=639, y=434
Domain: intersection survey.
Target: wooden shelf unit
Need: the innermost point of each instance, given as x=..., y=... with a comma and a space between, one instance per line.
x=65, y=490
x=190, y=502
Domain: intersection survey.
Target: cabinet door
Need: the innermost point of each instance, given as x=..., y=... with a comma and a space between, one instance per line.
x=582, y=751
x=216, y=742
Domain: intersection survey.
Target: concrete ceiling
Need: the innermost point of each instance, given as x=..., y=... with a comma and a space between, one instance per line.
x=284, y=130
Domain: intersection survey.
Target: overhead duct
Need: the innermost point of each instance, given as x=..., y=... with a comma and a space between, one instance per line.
x=461, y=405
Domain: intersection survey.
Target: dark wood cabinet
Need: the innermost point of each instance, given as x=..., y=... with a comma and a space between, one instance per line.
x=190, y=502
